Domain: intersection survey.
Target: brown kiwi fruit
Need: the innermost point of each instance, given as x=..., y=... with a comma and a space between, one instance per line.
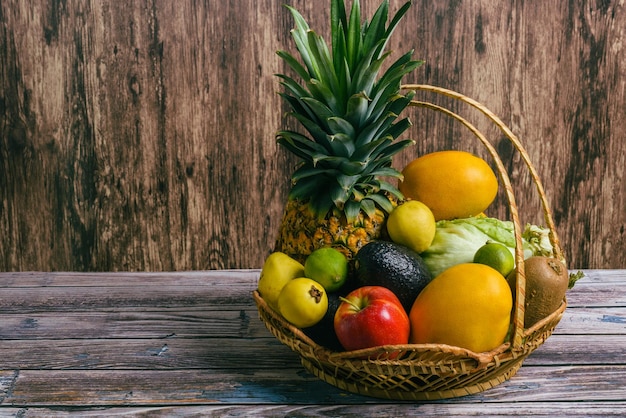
x=547, y=281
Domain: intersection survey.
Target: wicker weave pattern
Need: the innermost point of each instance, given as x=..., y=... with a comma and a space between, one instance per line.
x=432, y=371
x=416, y=372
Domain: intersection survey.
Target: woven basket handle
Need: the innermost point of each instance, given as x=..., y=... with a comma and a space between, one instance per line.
x=520, y=287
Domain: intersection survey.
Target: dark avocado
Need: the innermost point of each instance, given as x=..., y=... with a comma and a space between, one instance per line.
x=394, y=266
x=323, y=333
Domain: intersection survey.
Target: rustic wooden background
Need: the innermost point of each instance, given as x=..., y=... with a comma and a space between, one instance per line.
x=139, y=135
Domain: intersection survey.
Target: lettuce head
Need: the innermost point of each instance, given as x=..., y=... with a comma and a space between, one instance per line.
x=456, y=241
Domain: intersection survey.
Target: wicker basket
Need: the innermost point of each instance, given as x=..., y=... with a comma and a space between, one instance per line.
x=432, y=371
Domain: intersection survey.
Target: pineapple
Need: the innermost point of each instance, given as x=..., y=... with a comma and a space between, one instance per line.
x=340, y=193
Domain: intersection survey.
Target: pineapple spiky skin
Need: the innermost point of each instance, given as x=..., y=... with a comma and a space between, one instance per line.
x=302, y=232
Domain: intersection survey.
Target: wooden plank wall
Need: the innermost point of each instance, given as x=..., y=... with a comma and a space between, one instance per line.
x=140, y=135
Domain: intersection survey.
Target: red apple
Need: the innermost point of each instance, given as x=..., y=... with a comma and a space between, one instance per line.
x=371, y=316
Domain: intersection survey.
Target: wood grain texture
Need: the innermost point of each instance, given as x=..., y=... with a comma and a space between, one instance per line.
x=139, y=136
x=597, y=409
x=113, y=345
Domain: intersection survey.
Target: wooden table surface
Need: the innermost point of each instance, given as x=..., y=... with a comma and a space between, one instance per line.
x=191, y=344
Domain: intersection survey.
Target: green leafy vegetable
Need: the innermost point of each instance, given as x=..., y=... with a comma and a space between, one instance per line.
x=456, y=241
x=574, y=277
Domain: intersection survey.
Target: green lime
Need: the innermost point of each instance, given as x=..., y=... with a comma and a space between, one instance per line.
x=497, y=256
x=327, y=266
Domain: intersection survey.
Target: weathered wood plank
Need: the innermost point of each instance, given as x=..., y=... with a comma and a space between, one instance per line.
x=579, y=349
x=134, y=323
x=7, y=379
x=111, y=299
x=287, y=386
x=171, y=353
x=220, y=353
x=526, y=409
x=228, y=278
x=597, y=296
x=592, y=321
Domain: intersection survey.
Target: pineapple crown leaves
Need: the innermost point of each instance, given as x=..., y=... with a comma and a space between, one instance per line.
x=350, y=113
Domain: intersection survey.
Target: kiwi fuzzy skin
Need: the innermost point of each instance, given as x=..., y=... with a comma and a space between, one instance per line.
x=547, y=281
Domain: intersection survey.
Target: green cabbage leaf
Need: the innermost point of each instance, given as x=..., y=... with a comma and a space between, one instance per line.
x=456, y=241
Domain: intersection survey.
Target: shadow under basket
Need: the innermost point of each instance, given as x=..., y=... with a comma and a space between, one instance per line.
x=416, y=372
